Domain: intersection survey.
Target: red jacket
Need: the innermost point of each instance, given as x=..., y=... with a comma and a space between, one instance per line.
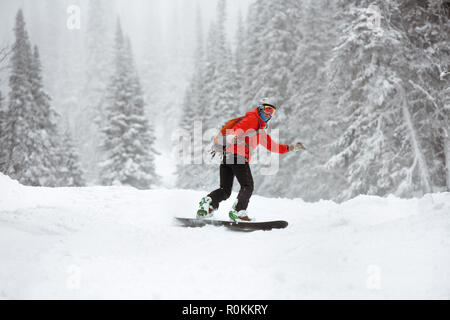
x=250, y=133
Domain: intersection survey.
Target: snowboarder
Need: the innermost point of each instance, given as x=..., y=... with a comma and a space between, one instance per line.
x=241, y=138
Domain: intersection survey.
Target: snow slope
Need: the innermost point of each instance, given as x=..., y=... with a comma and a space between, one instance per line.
x=117, y=242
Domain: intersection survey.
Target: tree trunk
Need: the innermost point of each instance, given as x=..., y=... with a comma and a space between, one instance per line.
x=447, y=158
x=414, y=140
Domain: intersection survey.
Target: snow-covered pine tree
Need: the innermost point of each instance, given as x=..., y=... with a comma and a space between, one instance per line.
x=70, y=173
x=61, y=155
x=382, y=147
x=427, y=26
x=227, y=82
x=140, y=133
x=222, y=89
x=20, y=96
x=45, y=118
x=128, y=137
x=209, y=71
x=186, y=170
x=99, y=60
x=29, y=129
x=46, y=115
x=252, y=51
x=270, y=48
x=363, y=83
x=187, y=173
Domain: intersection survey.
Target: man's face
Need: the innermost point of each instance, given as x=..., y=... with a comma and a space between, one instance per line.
x=269, y=111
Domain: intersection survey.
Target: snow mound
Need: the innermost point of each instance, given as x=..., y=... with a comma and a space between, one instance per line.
x=7, y=183
x=114, y=242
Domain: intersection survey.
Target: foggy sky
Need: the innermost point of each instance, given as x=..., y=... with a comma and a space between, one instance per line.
x=168, y=23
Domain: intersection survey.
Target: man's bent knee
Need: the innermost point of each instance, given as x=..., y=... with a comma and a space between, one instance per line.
x=226, y=193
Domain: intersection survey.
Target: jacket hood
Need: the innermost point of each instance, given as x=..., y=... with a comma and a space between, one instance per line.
x=261, y=121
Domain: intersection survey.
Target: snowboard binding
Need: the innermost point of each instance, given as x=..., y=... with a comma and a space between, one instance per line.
x=205, y=210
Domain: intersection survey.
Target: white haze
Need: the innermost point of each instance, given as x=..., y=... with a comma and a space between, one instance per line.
x=162, y=34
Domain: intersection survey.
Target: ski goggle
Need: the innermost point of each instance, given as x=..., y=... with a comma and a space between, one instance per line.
x=269, y=110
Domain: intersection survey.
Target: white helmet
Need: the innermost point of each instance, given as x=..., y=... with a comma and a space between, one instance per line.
x=269, y=102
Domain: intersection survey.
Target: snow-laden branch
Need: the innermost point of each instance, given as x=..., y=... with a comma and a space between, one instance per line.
x=5, y=51
x=432, y=100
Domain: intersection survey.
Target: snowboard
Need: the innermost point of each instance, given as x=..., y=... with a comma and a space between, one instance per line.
x=241, y=225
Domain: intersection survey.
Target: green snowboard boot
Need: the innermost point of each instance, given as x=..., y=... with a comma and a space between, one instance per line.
x=205, y=210
x=238, y=215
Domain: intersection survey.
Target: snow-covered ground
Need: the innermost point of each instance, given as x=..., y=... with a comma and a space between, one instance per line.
x=166, y=166
x=116, y=242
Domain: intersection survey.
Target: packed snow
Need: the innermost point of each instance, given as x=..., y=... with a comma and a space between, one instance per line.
x=119, y=242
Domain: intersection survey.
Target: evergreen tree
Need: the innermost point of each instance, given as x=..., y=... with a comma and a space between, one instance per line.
x=61, y=155
x=20, y=95
x=427, y=27
x=70, y=173
x=99, y=60
x=224, y=93
x=42, y=100
x=45, y=119
x=270, y=48
x=27, y=155
x=128, y=137
x=187, y=171
x=252, y=51
x=383, y=147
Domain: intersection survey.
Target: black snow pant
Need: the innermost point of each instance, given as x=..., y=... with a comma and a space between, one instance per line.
x=234, y=166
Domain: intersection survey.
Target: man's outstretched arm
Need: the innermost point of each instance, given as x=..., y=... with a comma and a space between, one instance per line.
x=268, y=143
x=273, y=146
